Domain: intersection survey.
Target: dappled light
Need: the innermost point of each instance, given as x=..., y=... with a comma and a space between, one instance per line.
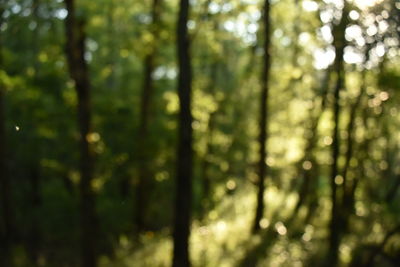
x=207, y=133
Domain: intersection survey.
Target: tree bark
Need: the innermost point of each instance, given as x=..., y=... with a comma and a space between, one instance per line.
x=34, y=235
x=263, y=123
x=34, y=243
x=78, y=69
x=147, y=95
x=7, y=228
x=181, y=230
x=6, y=208
x=335, y=225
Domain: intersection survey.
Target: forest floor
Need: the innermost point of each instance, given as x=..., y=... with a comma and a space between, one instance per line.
x=224, y=238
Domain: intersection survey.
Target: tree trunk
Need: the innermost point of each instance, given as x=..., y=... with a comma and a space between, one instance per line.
x=263, y=124
x=7, y=215
x=6, y=223
x=181, y=230
x=349, y=187
x=34, y=242
x=34, y=235
x=146, y=100
x=335, y=223
x=78, y=69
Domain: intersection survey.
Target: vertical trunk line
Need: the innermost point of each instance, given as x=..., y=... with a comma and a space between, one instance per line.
x=335, y=223
x=181, y=229
x=7, y=227
x=78, y=69
x=147, y=95
x=263, y=124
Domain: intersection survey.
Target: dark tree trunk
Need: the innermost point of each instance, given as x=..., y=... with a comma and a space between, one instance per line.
x=34, y=235
x=349, y=186
x=146, y=100
x=335, y=223
x=6, y=222
x=35, y=202
x=78, y=69
x=263, y=124
x=181, y=230
x=7, y=215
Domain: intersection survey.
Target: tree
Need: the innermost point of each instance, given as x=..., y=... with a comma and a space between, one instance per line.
x=78, y=68
x=7, y=228
x=146, y=101
x=339, y=43
x=263, y=122
x=181, y=228
x=249, y=119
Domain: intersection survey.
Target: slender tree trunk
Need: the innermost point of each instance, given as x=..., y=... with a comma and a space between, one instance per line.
x=181, y=230
x=349, y=187
x=7, y=228
x=350, y=139
x=147, y=95
x=263, y=124
x=34, y=236
x=35, y=201
x=335, y=223
x=6, y=222
x=78, y=68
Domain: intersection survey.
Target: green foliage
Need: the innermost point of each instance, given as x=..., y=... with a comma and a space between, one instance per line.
x=42, y=133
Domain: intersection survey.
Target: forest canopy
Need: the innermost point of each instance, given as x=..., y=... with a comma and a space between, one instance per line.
x=199, y=133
